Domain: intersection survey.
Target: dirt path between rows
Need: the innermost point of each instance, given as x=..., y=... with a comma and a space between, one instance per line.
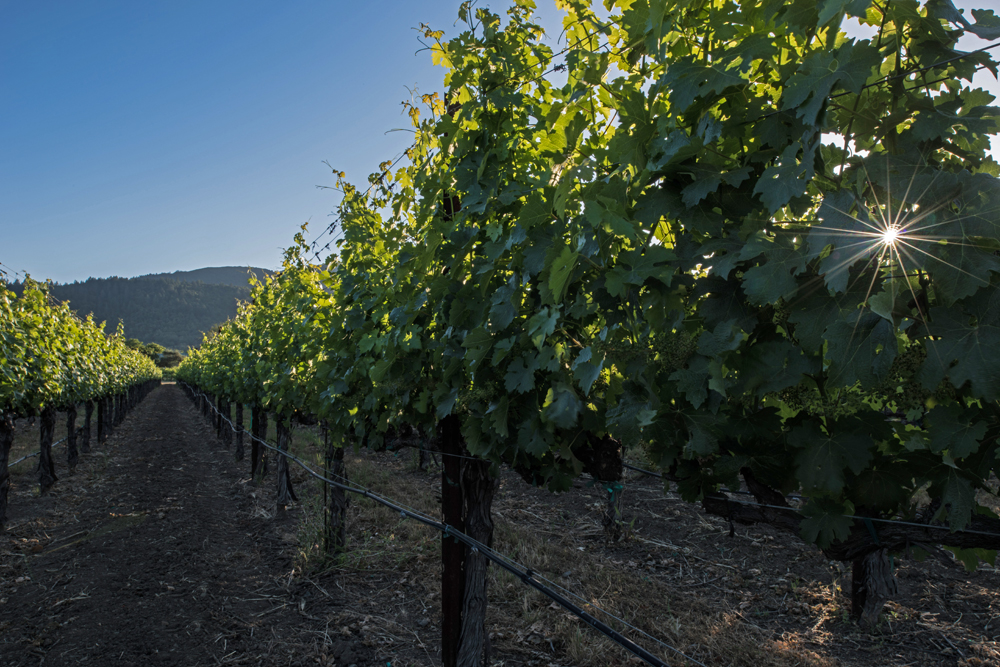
x=154, y=551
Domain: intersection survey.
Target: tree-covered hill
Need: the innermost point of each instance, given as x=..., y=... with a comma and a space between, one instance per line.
x=172, y=310
x=214, y=275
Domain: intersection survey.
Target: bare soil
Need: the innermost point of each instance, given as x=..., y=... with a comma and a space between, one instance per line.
x=158, y=549
x=152, y=552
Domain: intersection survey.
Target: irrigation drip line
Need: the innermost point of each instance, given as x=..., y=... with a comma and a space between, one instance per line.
x=525, y=574
x=879, y=520
x=723, y=489
x=28, y=456
x=434, y=451
x=849, y=516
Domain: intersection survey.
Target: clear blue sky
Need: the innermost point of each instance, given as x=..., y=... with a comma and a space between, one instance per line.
x=147, y=137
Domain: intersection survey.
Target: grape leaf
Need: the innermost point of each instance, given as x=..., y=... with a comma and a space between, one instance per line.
x=849, y=234
x=693, y=380
x=562, y=407
x=695, y=192
x=532, y=438
x=702, y=441
x=771, y=366
x=520, y=375
x=957, y=497
x=775, y=278
x=560, y=272
x=832, y=8
x=951, y=430
x=881, y=489
x=964, y=351
x=502, y=312
x=847, y=67
x=542, y=324
x=826, y=522
x=725, y=338
x=498, y=416
x=860, y=349
x=688, y=80
x=788, y=178
x=623, y=419
x=585, y=371
x=635, y=267
x=824, y=457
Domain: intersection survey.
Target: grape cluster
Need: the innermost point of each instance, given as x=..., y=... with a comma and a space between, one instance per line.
x=672, y=350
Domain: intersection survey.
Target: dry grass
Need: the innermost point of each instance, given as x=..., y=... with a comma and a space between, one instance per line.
x=392, y=568
x=521, y=621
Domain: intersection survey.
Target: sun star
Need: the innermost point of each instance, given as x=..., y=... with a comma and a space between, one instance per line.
x=890, y=235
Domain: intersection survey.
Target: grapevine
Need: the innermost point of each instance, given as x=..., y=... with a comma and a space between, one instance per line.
x=51, y=359
x=669, y=251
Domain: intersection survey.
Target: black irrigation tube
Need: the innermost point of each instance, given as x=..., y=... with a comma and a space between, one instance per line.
x=849, y=516
x=878, y=520
x=725, y=490
x=28, y=456
x=525, y=574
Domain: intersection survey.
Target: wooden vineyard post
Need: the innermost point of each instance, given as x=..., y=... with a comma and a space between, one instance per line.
x=452, y=551
x=285, y=494
x=88, y=413
x=6, y=441
x=72, y=454
x=238, y=454
x=46, y=466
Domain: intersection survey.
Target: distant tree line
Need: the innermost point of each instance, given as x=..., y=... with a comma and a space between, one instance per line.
x=173, y=314
x=161, y=356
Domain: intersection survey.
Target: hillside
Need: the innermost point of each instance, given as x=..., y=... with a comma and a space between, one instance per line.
x=214, y=275
x=171, y=309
